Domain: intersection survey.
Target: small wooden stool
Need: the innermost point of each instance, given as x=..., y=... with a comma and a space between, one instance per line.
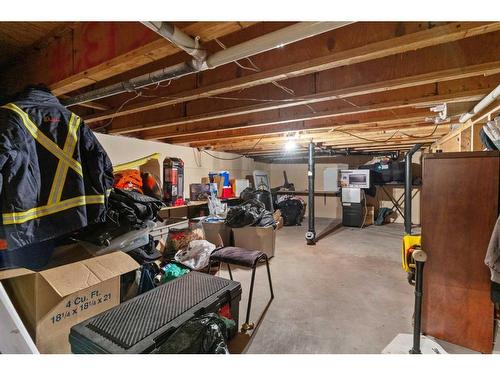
x=244, y=258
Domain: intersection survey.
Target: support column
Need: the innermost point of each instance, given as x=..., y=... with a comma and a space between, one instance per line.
x=311, y=232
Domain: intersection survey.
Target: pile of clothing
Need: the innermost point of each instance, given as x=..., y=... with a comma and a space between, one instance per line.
x=127, y=210
x=143, y=183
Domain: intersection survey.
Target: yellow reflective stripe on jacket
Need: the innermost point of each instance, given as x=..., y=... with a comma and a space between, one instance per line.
x=37, y=212
x=62, y=167
x=44, y=140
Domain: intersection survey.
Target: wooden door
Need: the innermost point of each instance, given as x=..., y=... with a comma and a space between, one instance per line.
x=460, y=195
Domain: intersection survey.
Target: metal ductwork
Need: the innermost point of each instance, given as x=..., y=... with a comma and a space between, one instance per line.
x=172, y=72
x=409, y=186
x=200, y=62
x=486, y=101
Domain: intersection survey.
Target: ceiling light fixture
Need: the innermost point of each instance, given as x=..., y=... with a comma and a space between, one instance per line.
x=290, y=145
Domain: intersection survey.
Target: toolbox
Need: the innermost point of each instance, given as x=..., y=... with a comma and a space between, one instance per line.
x=144, y=323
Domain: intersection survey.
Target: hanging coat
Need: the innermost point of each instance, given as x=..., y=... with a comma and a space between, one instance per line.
x=54, y=174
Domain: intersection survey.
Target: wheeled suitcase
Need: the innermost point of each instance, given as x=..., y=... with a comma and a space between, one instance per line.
x=144, y=323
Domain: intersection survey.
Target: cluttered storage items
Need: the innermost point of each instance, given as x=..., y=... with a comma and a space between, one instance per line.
x=83, y=240
x=88, y=247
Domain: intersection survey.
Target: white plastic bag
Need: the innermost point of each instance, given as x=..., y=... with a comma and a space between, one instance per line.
x=492, y=130
x=216, y=207
x=197, y=254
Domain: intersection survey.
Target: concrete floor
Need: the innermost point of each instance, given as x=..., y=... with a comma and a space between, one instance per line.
x=347, y=294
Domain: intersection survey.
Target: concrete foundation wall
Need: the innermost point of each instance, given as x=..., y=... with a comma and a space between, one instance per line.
x=330, y=207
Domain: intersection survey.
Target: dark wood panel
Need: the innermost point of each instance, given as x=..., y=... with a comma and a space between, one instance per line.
x=459, y=209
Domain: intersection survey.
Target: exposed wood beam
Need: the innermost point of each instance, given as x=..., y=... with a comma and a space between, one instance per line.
x=193, y=131
x=95, y=51
x=409, y=42
x=340, y=132
x=93, y=105
x=479, y=118
x=404, y=143
x=281, y=154
x=422, y=131
x=372, y=88
x=232, y=135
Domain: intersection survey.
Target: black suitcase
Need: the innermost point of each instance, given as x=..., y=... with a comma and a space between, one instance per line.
x=143, y=323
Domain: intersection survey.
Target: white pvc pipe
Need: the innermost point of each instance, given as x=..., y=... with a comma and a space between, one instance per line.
x=276, y=39
x=279, y=38
x=177, y=37
x=486, y=101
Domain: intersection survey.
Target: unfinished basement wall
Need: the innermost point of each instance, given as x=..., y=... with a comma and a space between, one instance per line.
x=196, y=164
x=466, y=140
x=330, y=207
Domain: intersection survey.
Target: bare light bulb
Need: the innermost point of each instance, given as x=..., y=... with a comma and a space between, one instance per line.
x=290, y=145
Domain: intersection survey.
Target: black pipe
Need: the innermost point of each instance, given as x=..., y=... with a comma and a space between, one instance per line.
x=419, y=282
x=300, y=157
x=408, y=186
x=311, y=233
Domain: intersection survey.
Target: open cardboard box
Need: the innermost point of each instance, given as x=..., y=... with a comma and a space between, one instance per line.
x=51, y=301
x=256, y=238
x=217, y=233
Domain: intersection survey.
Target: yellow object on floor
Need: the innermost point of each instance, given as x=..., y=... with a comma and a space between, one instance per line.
x=409, y=241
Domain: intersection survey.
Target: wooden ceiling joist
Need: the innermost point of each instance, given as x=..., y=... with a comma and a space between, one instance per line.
x=416, y=133
x=194, y=132
x=371, y=88
x=409, y=42
x=230, y=136
x=95, y=51
x=365, y=86
x=485, y=115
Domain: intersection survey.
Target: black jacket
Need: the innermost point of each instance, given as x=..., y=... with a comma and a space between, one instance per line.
x=54, y=174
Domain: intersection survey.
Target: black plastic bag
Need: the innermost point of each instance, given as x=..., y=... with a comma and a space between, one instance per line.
x=266, y=219
x=239, y=217
x=247, y=194
x=265, y=197
x=292, y=211
x=250, y=213
x=206, y=334
x=127, y=210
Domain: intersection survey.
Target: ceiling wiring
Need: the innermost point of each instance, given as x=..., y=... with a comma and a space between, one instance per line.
x=138, y=93
x=235, y=158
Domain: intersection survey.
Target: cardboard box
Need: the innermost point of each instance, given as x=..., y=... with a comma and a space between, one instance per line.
x=214, y=230
x=199, y=192
x=240, y=185
x=50, y=302
x=370, y=215
x=256, y=238
x=220, y=184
